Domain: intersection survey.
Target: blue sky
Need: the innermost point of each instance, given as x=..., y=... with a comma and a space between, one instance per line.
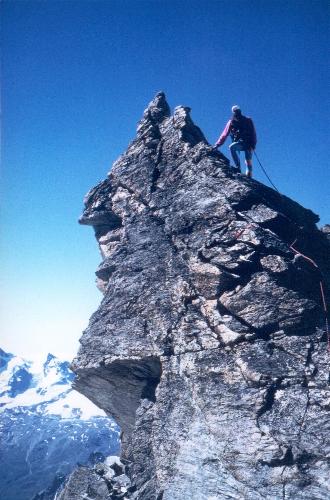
x=76, y=76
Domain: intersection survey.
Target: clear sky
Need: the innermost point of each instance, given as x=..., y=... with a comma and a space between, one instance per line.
x=76, y=77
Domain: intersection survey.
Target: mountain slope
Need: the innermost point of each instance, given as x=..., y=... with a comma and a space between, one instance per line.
x=46, y=428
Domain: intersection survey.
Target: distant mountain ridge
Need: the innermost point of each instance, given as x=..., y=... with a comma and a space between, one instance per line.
x=46, y=428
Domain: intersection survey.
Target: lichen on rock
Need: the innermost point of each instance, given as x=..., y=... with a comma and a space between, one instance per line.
x=208, y=346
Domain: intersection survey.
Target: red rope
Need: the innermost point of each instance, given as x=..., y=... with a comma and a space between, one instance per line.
x=313, y=263
x=325, y=308
x=239, y=233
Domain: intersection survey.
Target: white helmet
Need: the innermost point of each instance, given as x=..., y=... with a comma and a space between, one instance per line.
x=236, y=109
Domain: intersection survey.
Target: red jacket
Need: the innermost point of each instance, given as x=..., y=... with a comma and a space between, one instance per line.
x=243, y=129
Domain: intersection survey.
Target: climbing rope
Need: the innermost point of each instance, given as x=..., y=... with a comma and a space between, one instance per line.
x=324, y=302
x=239, y=233
x=264, y=171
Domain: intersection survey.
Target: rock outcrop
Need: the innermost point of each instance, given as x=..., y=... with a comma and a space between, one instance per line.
x=106, y=480
x=209, y=346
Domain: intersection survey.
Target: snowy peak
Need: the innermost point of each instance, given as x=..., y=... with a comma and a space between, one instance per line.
x=58, y=371
x=15, y=375
x=20, y=381
x=46, y=428
x=43, y=388
x=4, y=359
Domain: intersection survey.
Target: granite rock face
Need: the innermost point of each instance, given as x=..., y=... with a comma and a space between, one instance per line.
x=208, y=347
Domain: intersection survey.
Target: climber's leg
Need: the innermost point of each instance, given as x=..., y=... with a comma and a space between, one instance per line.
x=235, y=147
x=248, y=161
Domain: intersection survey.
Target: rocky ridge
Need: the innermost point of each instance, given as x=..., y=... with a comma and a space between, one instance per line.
x=208, y=347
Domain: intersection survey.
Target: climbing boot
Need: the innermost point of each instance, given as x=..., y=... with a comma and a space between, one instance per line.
x=248, y=170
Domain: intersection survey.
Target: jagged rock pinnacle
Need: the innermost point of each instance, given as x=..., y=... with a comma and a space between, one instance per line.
x=158, y=108
x=188, y=130
x=208, y=347
x=153, y=115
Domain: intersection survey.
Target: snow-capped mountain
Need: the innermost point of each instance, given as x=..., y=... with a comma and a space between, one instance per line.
x=46, y=427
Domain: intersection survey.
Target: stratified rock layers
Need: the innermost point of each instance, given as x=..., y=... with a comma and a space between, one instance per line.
x=208, y=347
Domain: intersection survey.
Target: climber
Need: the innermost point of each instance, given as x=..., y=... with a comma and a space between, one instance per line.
x=244, y=137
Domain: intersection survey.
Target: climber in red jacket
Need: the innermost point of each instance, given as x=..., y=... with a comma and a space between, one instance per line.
x=244, y=137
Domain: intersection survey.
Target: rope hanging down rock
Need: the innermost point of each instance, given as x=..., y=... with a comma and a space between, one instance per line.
x=264, y=171
x=324, y=303
x=313, y=263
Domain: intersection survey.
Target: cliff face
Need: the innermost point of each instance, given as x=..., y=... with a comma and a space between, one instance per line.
x=208, y=347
